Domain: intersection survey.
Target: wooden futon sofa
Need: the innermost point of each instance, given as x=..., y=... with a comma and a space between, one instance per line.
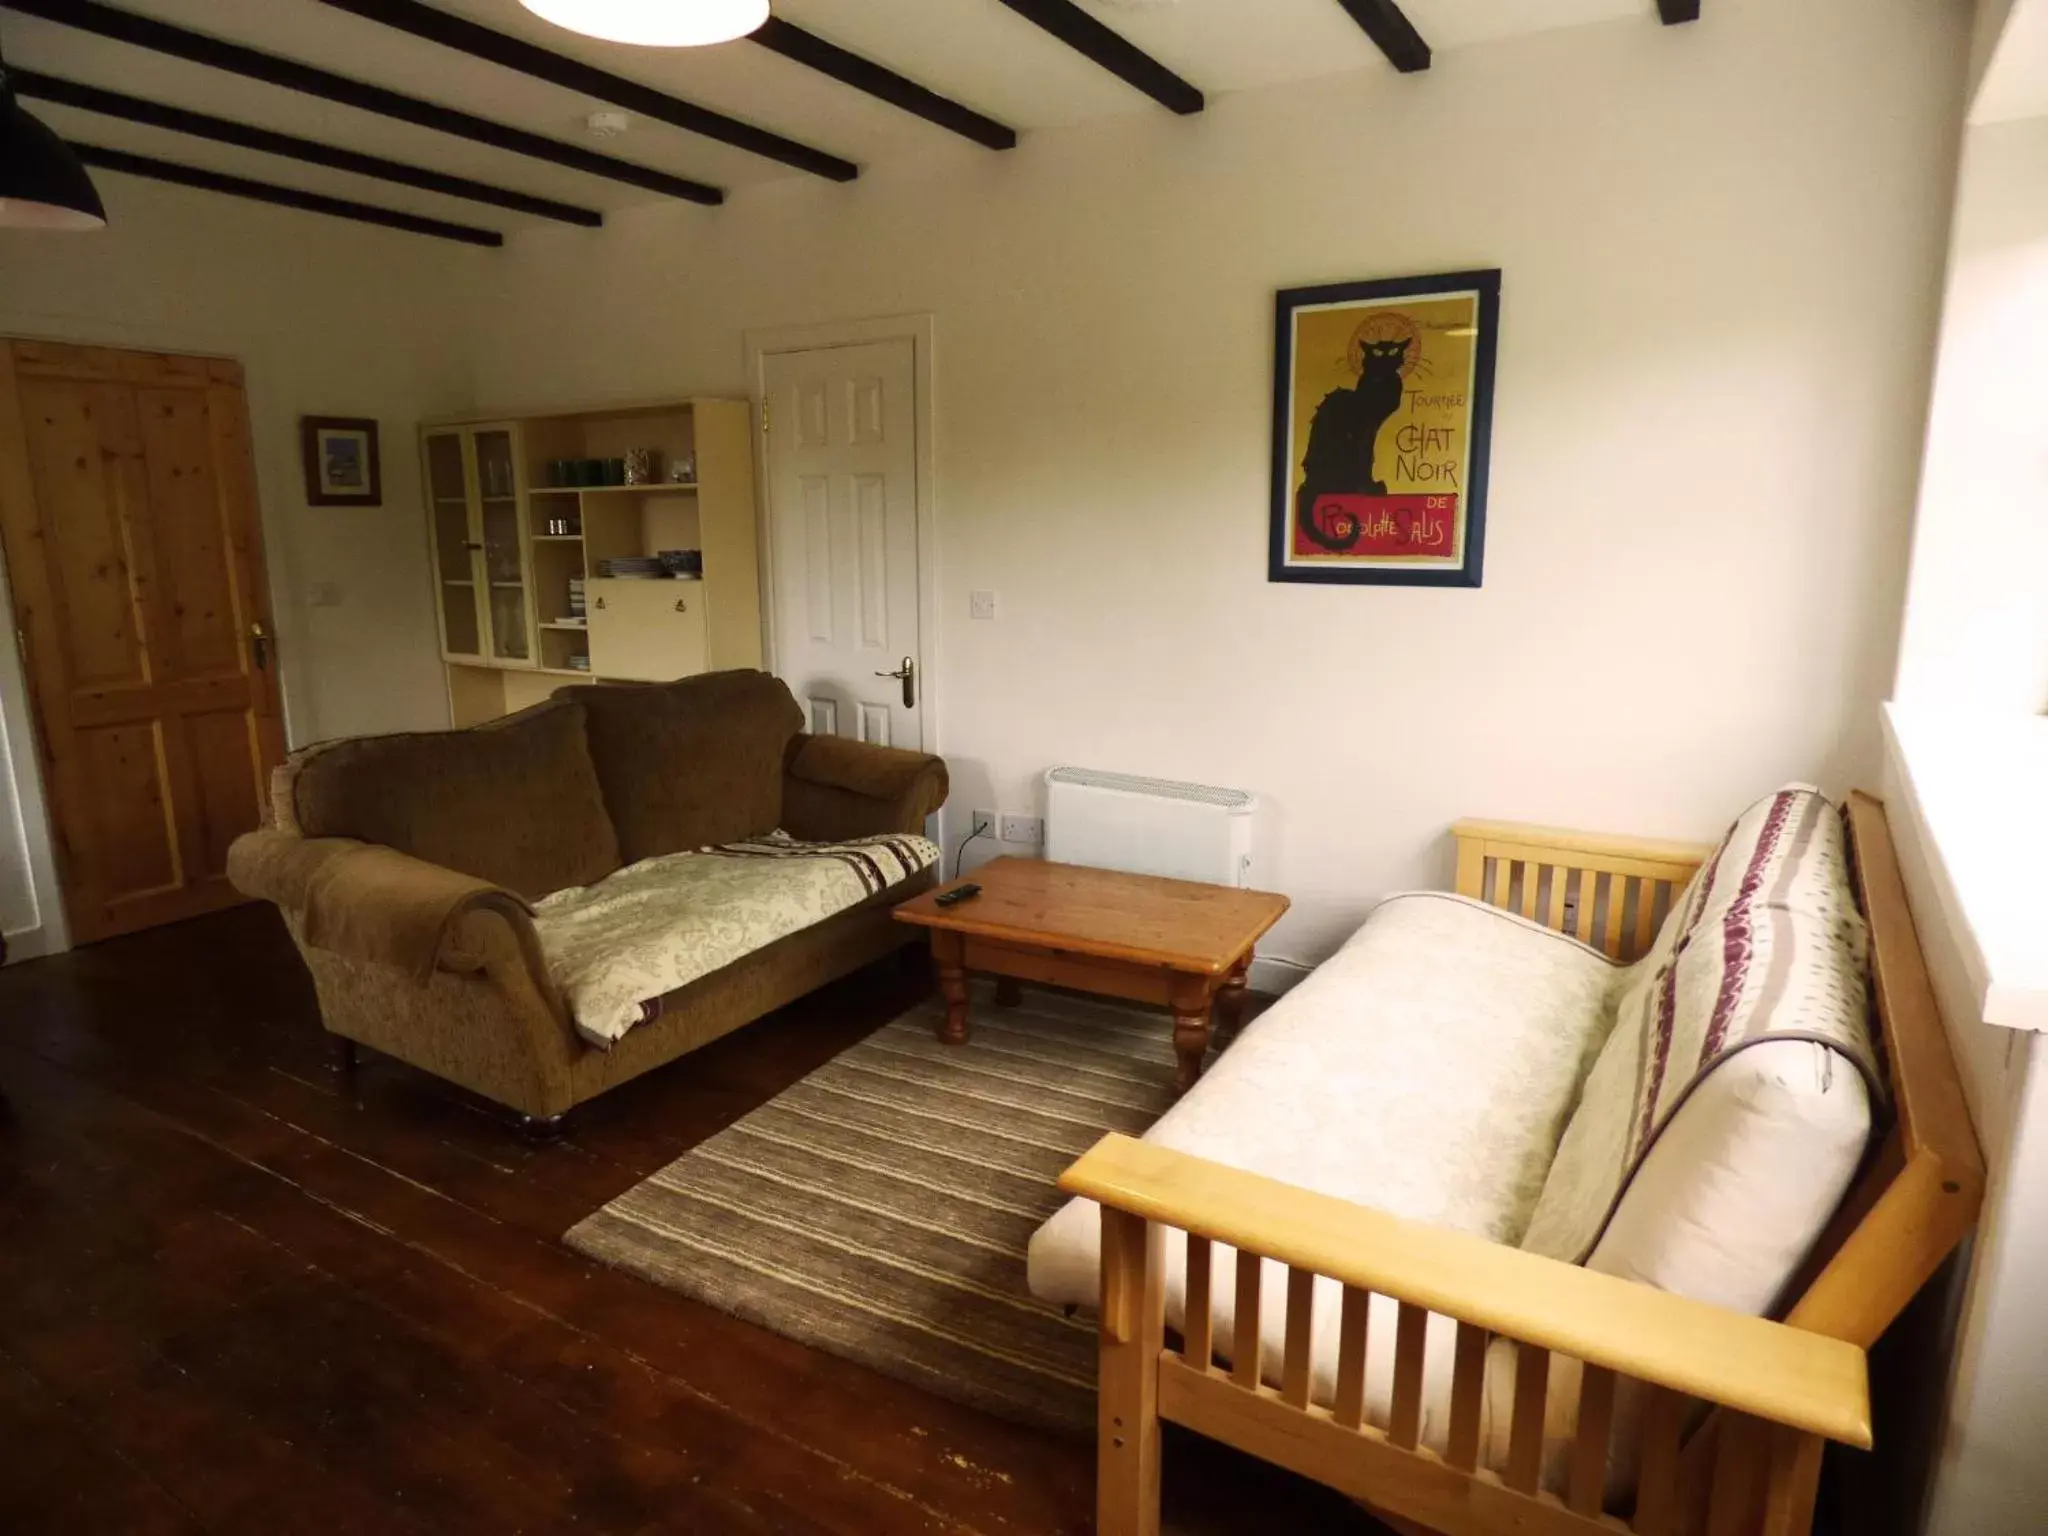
x=1518, y=1425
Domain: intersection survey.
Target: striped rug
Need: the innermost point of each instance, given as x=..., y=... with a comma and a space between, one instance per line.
x=880, y=1208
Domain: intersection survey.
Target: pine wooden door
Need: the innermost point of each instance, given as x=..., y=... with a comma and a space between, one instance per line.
x=128, y=509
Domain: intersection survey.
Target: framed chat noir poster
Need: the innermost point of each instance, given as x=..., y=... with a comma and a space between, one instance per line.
x=1382, y=415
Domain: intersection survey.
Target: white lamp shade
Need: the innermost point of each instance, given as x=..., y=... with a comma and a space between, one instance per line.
x=655, y=23
x=22, y=213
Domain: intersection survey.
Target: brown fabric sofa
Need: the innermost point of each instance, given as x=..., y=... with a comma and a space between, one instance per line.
x=404, y=866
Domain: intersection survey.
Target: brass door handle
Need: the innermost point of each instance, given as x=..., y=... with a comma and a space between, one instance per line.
x=907, y=675
x=259, y=646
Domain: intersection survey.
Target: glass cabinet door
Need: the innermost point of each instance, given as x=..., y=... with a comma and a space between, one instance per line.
x=504, y=544
x=456, y=571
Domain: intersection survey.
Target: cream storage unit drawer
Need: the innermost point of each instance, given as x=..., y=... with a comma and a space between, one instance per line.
x=645, y=631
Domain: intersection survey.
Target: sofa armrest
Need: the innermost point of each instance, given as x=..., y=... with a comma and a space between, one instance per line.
x=374, y=903
x=833, y=788
x=1772, y=1371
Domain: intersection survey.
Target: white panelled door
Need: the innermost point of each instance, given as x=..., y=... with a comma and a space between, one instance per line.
x=842, y=536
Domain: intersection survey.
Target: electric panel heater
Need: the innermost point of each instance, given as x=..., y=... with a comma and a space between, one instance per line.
x=1149, y=826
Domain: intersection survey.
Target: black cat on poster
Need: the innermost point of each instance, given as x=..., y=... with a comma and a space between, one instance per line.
x=1344, y=437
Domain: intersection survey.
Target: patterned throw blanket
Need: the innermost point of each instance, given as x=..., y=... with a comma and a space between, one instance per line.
x=877, y=862
x=1765, y=944
x=617, y=947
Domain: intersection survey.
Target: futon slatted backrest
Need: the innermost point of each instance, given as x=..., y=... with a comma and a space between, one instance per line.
x=1611, y=892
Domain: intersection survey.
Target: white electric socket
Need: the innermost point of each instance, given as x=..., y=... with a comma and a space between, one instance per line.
x=1023, y=829
x=981, y=605
x=983, y=821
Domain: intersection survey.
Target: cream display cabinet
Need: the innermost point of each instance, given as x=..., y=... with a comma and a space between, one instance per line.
x=509, y=542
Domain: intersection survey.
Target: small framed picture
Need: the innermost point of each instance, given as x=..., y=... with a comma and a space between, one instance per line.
x=342, y=467
x=1382, y=421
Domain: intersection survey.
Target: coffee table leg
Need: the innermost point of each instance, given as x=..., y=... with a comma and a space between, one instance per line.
x=949, y=953
x=1009, y=991
x=1193, y=1005
x=1232, y=999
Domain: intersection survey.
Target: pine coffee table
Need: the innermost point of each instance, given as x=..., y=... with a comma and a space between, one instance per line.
x=1179, y=943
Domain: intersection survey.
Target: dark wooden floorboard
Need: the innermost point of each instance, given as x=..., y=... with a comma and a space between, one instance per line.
x=56, y=1476
x=237, y=1295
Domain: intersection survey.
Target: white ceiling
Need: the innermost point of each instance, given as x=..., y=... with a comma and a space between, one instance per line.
x=976, y=51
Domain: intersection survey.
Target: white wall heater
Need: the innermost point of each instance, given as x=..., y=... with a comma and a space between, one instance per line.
x=1149, y=826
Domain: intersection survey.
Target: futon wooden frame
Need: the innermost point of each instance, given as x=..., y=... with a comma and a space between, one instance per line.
x=1735, y=1409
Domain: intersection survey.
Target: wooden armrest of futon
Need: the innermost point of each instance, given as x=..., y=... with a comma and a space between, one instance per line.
x=1802, y=1380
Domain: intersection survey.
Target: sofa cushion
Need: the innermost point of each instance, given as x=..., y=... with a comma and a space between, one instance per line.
x=689, y=763
x=1426, y=1068
x=514, y=802
x=1765, y=945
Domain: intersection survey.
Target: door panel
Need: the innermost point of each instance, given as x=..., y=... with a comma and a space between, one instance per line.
x=223, y=794
x=82, y=479
x=128, y=510
x=842, y=493
x=874, y=725
x=134, y=850
x=194, y=588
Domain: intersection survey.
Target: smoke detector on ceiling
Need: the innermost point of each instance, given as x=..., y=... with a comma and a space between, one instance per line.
x=607, y=125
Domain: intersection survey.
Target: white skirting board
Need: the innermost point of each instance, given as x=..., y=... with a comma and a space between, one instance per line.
x=29, y=944
x=1272, y=975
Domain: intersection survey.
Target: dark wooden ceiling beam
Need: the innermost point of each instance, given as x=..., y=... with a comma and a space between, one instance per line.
x=282, y=197
x=156, y=114
x=1676, y=11
x=1122, y=58
x=217, y=53
x=1387, y=25
x=515, y=53
x=793, y=42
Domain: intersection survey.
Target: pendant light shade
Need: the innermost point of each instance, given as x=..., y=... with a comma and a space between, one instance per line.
x=655, y=23
x=42, y=185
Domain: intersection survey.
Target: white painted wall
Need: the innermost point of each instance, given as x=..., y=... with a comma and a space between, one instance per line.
x=1722, y=246
x=1976, y=631
x=327, y=319
x=1989, y=27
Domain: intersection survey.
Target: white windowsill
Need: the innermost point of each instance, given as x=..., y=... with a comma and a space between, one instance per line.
x=1979, y=788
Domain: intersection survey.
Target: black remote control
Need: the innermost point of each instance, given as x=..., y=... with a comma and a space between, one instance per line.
x=958, y=894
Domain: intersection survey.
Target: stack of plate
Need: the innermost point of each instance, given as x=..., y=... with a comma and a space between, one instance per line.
x=632, y=568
